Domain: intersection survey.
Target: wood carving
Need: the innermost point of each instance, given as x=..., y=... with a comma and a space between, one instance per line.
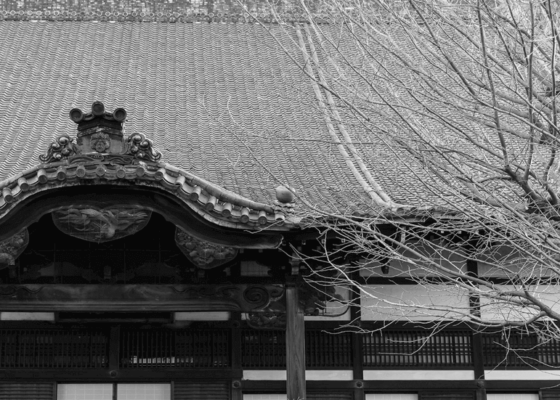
x=94, y=224
x=203, y=254
x=60, y=269
x=11, y=248
x=123, y=298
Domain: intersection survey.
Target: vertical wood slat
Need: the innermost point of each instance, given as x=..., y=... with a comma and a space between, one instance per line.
x=191, y=348
x=417, y=348
x=26, y=391
x=210, y=390
x=52, y=348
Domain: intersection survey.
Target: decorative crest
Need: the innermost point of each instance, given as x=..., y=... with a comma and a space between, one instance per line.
x=99, y=130
x=62, y=147
x=100, y=142
x=100, y=137
x=140, y=147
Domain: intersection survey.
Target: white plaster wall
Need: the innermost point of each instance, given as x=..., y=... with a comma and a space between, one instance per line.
x=413, y=302
x=310, y=375
x=392, y=396
x=88, y=391
x=512, y=396
x=500, y=310
x=515, y=375
x=418, y=375
x=144, y=391
x=26, y=316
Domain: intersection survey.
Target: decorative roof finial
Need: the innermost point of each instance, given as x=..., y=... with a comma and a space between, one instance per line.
x=100, y=135
x=99, y=131
x=284, y=195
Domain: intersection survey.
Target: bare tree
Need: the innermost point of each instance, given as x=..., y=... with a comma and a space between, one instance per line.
x=460, y=99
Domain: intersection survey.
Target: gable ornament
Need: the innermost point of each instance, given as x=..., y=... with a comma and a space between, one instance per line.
x=100, y=135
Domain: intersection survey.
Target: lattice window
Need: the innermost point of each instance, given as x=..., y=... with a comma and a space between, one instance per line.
x=53, y=349
x=417, y=348
x=183, y=349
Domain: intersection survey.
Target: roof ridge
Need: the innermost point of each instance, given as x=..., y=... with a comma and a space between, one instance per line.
x=187, y=14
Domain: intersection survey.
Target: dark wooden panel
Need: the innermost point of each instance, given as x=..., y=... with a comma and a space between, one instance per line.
x=26, y=391
x=550, y=395
x=134, y=297
x=447, y=395
x=210, y=390
x=49, y=348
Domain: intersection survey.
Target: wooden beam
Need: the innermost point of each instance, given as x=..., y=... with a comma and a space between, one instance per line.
x=174, y=209
x=295, y=345
x=137, y=298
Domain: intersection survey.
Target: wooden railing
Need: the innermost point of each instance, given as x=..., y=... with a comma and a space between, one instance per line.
x=208, y=348
x=267, y=349
x=212, y=347
x=47, y=348
x=417, y=348
x=523, y=351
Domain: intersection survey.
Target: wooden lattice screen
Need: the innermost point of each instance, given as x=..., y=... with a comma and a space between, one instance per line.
x=211, y=390
x=26, y=391
x=518, y=351
x=53, y=348
x=417, y=348
x=267, y=349
x=175, y=348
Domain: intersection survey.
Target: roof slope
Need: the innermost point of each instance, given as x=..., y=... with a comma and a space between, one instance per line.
x=222, y=101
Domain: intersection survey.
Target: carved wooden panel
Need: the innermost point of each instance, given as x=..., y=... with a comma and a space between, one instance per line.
x=95, y=224
x=201, y=253
x=241, y=297
x=11, y=248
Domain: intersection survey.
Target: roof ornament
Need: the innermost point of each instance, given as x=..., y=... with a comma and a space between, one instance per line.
x=141, y=148
x=101, y=133
x=62, y=147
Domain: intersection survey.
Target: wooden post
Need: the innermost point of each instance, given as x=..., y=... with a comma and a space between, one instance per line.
x=295, y=345
x=114, y=350
x=357, y=344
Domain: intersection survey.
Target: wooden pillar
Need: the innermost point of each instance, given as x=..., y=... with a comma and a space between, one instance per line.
x=236, y=355
x=295, y=345
x=114, y=350
x=357, y=344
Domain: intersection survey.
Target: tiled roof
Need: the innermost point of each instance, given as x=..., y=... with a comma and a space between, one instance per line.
x=220, y=101
x=166, y=11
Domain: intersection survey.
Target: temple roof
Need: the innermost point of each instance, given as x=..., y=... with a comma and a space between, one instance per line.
x=221, y=101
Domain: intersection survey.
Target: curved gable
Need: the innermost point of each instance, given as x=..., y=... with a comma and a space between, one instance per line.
x=101, y=167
